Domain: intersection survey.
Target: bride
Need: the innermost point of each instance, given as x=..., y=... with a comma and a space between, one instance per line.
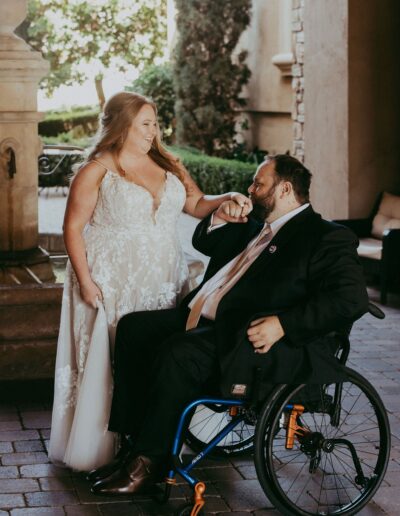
x=120, y=231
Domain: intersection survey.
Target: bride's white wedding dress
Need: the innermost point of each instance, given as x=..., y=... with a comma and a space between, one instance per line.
x=136, y=259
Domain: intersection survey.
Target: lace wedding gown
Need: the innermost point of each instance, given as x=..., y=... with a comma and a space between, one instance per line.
x=136, y=259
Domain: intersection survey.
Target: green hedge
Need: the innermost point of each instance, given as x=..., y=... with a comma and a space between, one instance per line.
x=60, y=122
x=216, y=175
x=213, y=175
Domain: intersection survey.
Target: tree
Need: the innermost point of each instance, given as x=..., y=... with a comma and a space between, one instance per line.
x=209, y=76
x=100, y=33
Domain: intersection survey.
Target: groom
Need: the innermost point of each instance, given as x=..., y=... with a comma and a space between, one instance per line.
x=279, y=295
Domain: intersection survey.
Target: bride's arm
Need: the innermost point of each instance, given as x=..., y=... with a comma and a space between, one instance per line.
x=81, y=202
x=200, y=205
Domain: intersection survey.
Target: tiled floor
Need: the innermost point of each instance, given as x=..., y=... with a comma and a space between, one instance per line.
x=30, y=486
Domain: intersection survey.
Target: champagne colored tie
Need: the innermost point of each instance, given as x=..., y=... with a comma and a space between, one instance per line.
x=196, y=310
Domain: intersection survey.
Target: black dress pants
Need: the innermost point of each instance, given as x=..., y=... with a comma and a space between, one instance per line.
x=158, y=369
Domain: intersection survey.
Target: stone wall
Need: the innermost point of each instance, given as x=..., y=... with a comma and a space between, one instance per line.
x=298, y=79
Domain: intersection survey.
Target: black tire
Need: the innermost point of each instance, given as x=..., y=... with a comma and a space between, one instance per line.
x=207, y=421
x=318, y=475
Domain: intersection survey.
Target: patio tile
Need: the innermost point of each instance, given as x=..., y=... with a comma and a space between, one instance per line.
x=82, y=510
x=6, y=448
x=18, y=485
x=56, y=484
x=9, y=472
x=28, y=446
x=21, y=435
x=42, y=511
x=51, y=498
x=19, y=459
x=43, y=470
x=243, y=495
x=8, y=501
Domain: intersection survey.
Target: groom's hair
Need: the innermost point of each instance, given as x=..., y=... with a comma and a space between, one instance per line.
x=288, y=168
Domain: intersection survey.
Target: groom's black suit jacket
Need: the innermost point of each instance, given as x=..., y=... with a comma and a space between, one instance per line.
x=309, y=276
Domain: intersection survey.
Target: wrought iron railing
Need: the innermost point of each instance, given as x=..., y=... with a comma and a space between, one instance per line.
x=55, y=164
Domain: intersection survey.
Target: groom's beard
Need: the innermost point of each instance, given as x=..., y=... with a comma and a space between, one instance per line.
x=263, y=206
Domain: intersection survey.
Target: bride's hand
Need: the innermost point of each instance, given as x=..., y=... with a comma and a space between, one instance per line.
x=90, y=292
x=243, y=201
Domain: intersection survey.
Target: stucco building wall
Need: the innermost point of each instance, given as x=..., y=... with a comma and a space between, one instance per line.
x=351, y=109
x=269, y=92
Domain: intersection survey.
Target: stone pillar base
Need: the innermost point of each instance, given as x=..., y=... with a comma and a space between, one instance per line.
x=24, y=267
x=29, y=322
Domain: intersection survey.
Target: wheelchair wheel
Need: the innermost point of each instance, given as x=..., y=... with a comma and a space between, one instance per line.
x=207, y=421
x=323, y=449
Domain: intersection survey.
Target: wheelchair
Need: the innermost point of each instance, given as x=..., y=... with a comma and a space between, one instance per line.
x=318, y=449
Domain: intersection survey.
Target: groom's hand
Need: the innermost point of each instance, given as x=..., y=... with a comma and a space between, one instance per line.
x=234, y=210
x=263, y=333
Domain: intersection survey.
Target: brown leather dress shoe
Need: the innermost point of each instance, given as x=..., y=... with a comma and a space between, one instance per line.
x=124, y=455
x=132, y=478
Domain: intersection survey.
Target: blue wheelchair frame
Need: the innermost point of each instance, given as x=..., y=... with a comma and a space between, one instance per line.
x=178, y=465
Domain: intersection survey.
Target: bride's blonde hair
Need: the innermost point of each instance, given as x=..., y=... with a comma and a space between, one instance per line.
x=115, y=121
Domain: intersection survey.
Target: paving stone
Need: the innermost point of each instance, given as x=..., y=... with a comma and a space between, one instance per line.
x=28, y=446
x=9, y=501
x=372, y=509
x=82, y=510
x=6, y=448
x=223, y=474
x=10, y=425
x=385, y=499
x=121, y=509
x=36, y=419
x=19, y=435
x=9, y=472
x=45, y=433
x=19, y=459
x=215, y=504
x=42, y=511
x=8, y=416
x=51, y=498
x=243, y=495
x=43, y=470
x=148, y=508
x=248, y=472
x=56, y=484
x=18, y=485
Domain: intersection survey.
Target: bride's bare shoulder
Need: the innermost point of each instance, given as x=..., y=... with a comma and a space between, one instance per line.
x=91, y=172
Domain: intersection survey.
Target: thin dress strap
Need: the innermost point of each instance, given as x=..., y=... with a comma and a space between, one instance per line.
x=99, y=162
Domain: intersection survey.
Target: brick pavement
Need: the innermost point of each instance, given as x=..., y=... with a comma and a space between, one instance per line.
x=31, y=486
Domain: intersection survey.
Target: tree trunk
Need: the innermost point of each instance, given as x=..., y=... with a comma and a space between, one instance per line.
x=98, y=80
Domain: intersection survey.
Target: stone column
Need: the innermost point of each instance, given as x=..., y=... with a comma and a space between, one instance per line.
x=21, y=68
